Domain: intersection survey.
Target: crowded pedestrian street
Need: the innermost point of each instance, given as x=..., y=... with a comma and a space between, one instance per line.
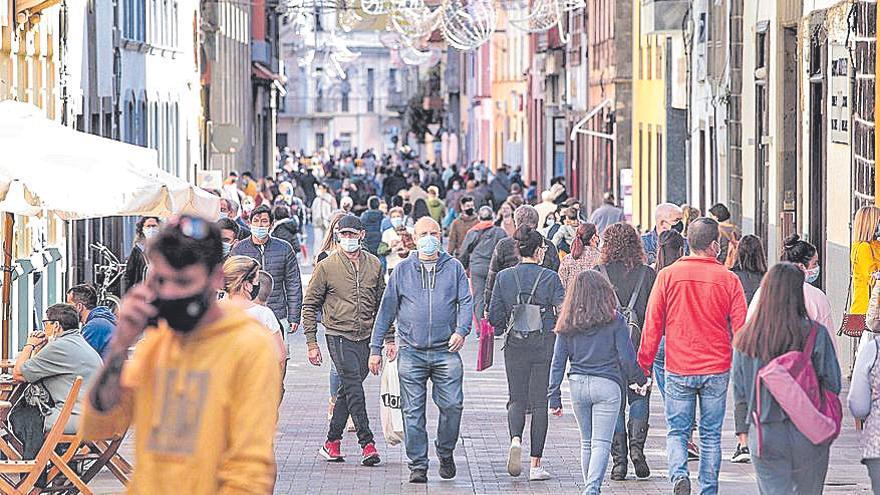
x=484, y=443
x=562, y=247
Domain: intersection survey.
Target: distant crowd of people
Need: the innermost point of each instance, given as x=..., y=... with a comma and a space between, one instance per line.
x=408, y=258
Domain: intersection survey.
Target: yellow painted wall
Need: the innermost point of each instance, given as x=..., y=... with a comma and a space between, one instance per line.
x=509, y=63
x=649, y=115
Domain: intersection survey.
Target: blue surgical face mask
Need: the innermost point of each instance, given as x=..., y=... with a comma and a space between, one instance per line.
x=396, y=222
x=428, y=245
x=260, y=232
x=349, y=245
x=227, y=247
x=813, y=274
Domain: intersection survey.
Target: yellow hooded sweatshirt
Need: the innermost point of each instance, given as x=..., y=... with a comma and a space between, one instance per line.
x=204, y=408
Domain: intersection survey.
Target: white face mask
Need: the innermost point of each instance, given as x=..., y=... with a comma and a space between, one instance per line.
x=150, y=232
x=349, y=245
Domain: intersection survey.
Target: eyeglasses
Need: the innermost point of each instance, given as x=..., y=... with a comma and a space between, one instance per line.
x=192, y=227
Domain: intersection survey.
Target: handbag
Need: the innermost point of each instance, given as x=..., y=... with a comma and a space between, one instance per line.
x=487, y=345
x=852, y=325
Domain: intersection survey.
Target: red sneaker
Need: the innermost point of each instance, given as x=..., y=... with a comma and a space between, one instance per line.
x=332, y=452
x=371, y=455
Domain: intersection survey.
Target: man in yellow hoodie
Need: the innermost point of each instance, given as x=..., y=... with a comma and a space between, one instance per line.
x=202, y=386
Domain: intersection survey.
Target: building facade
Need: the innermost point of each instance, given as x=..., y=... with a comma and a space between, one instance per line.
x=659, y=137
x=509, y=63
x=361, y=111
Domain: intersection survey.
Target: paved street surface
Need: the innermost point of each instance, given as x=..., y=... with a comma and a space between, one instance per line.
x=482, y=453
x=481, y=456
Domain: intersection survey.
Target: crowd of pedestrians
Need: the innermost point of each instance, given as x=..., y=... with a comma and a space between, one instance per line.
x=408, y=258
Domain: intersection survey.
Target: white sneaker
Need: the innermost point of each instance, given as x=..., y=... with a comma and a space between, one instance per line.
x=514, y=457
x=538, y=474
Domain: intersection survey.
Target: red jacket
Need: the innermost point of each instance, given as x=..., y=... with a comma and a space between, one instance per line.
x=698, y=304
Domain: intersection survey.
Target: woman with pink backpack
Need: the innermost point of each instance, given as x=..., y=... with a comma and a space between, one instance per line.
x=782, y=357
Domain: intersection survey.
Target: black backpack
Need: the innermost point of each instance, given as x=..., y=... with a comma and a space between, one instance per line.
x=525, y=318
x=628, y=312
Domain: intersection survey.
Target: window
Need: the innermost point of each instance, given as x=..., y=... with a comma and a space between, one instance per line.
x=175, y=28
x=319, y=93
x=130, y=136
x=344, y=91
x=371, y=90
x=659, y=163
x=134, y=25
x=319, y=140
x=142, y=124
x=392, y=79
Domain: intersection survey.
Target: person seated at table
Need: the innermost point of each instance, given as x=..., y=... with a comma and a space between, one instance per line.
x=98, y=322
x=50, y=362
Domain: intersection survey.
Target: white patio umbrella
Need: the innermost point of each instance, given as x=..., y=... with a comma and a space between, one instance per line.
x=45, y=166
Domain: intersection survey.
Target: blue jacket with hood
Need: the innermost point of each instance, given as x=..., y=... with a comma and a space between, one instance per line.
x=99, y=327
x=428, y=305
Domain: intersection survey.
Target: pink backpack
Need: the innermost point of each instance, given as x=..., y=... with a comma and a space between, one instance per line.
x=792, y=381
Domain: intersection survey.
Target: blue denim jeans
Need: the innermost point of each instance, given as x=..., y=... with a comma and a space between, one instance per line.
x=335, y=382
x=682, y=394
x=445, y=370
x=659, y=371
x=596, y=403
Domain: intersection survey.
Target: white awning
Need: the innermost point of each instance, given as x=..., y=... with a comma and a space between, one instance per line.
x=45, y=166
x=579, y=127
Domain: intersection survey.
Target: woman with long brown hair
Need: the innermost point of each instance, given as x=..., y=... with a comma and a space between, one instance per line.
x=594, y=339
x=623, y=261
x=584, y=254
x=789, y=462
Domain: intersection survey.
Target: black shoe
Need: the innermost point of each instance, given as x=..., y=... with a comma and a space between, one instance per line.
x=447, y=468
x=418, y=476
x=618, y=457
x=681, y=486
x=638, y=434
x=742, y=455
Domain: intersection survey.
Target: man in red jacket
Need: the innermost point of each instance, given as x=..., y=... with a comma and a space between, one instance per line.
x=697, y=304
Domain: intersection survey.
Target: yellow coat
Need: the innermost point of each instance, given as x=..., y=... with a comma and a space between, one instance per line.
x=204, y=409
x=865, y=257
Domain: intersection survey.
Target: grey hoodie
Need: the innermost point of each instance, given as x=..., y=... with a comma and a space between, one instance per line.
x=429, y=305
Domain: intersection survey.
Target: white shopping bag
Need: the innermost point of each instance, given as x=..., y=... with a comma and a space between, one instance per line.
x=390, y=403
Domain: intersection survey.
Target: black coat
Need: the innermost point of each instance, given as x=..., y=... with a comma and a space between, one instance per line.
x=135, y=267
x=372, y=220
x=506, y=255
x=288, y=230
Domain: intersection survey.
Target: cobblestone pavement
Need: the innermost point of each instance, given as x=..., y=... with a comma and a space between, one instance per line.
x=481, y=454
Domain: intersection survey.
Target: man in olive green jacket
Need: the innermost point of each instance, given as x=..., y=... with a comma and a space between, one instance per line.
x=347, y=287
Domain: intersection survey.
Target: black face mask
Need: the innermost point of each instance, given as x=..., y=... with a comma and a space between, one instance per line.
x=678, y=226
x=255, y=291
x=183, y=314
x=469, y=211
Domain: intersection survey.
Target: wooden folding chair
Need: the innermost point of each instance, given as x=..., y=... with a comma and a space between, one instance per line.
x=32, y=469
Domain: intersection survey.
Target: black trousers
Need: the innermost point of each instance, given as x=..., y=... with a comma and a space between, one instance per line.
x=352, y=363
x=527, y=364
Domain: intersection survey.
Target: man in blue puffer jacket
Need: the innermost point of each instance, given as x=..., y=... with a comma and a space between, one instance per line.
x=279, y=259
x=429, y=295
x=98, y=322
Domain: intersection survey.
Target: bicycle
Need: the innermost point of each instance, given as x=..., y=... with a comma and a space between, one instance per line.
x=105, y=275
